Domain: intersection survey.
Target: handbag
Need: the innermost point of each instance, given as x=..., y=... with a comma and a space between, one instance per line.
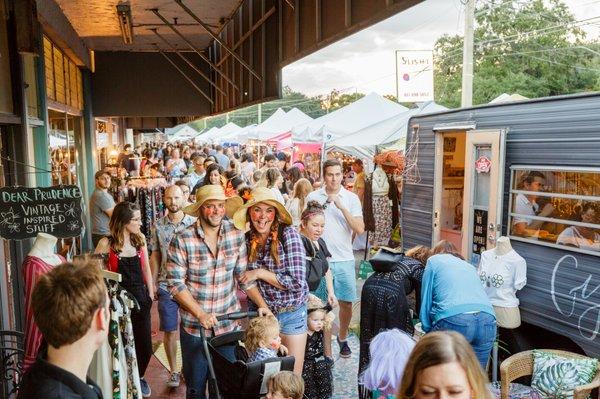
x=386, y=259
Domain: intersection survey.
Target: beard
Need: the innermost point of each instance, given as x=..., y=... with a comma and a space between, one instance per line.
x=212, y=221
x=174, y=208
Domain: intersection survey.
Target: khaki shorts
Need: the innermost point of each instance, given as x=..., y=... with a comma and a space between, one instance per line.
x=507, y=317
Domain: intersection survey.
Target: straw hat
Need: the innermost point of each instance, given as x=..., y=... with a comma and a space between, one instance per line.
x=260, y=195
x=213, y=192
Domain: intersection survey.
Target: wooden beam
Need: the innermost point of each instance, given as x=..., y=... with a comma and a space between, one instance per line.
x=257, y=25
x=348, y=13
x=318, y=24
x=297, y=25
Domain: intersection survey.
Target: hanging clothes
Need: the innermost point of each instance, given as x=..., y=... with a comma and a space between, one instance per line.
x=368, y=217
x=382, y=210
x=33, y=269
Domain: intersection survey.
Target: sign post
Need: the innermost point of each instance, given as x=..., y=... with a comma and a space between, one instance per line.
x=27, y=211
x=414, y=75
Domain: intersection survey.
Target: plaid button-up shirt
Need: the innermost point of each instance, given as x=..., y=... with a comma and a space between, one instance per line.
x=210, y=278
x=291, y=272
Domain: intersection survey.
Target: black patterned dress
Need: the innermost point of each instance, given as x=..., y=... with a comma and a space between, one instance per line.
x=317, y=374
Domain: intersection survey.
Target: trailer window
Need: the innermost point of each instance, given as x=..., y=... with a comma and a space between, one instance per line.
x=556, y=207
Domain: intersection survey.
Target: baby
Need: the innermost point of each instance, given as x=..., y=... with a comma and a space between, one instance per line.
x=262, y=339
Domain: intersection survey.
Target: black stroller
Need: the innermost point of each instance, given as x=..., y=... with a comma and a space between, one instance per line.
x=238, y=379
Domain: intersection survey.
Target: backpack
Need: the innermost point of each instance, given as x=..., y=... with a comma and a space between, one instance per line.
x=315, y=267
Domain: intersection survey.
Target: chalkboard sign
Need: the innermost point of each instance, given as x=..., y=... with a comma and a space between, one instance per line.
x=480, y=218
x=27, y=211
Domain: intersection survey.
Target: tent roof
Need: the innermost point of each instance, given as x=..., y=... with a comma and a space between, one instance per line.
x=363, y=142
x=364, y=112
x=508, y=98
x=281, y=122
x=229, y=129
x=206, y=136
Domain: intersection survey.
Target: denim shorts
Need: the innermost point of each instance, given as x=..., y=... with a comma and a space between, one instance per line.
x=168, y=311
x=293, y=322
x=344, y=280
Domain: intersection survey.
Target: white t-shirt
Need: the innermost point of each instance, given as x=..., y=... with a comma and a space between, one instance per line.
x=524, y=207
x=570, y=236
x=502, y=276
x=337, y=233
x=278, y=195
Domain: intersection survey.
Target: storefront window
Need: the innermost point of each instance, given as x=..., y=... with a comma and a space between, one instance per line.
x=557, y=207
x=63, y=152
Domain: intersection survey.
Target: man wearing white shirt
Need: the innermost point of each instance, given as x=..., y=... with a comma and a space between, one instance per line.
x=526, y=205
x=343, y=217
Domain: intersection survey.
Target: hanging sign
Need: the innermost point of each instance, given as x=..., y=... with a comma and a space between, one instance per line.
x=414, y=75
x=480, y=219
x=483, y=164
x=26, y=211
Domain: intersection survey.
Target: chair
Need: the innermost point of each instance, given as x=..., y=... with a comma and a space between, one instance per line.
x=12, y=355
x=521, y=364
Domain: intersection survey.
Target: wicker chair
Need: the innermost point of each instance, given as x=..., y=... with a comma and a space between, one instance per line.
x=521, y=364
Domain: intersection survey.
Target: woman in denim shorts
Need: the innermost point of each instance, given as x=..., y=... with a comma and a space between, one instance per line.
x=276, y=259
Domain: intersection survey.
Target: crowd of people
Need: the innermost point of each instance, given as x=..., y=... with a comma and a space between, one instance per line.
x=269, y=238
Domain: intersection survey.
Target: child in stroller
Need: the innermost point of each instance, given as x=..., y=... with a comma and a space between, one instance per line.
x=263, y=340
x=240, y=378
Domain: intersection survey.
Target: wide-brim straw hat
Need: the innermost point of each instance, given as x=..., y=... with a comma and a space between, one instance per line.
x=213, y=192
x=265, y=196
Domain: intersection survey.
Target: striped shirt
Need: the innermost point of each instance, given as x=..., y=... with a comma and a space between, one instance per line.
x=210, y=279
x=291, y=272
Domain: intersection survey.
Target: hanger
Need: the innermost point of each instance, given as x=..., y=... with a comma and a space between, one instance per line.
x=112, y=276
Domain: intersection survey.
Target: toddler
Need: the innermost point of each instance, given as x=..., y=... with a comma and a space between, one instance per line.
x=317, y=372
x=285, y=385
x=262, y=339
x=389, y=352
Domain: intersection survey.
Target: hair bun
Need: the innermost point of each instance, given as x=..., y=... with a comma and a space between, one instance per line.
x=314, y=206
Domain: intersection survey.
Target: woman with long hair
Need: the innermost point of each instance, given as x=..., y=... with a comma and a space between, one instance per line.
x=214, y=175
x=443, y=364
x=274, y=182
x=276, y=261
x=128, y=256
x=297, y=203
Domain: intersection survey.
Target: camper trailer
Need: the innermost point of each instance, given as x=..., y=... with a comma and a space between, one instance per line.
x=527, y=170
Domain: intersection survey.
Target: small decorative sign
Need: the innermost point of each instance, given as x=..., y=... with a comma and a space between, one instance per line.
x=480, y=219
x=27, y=211
x=483, y=164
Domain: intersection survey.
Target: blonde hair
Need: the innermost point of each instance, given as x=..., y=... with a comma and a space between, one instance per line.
x=442, y=347
x=301, y=190
x=315, y=302
x=288, y=384
x=258, y=330
x=420, y=253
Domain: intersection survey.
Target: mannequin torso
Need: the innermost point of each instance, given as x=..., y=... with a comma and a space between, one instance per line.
x=503, y=246
x=43, y=248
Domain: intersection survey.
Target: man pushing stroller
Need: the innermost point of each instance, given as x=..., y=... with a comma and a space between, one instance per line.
x=204, y=263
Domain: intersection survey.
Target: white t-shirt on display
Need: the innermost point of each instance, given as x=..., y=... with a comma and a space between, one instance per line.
x=502, y=276
x=571, y=236
x=337, y=233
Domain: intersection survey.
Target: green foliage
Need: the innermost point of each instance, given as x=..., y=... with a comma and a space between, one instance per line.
x=534, y=48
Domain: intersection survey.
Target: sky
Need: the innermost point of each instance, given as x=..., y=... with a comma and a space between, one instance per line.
x=364, y=62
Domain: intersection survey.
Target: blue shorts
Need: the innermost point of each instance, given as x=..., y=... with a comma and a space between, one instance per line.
x=168, y=311
x=293, y=322
x=344, y=280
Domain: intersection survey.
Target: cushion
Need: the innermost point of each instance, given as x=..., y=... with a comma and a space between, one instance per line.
x=556, y=376
x=516, y=391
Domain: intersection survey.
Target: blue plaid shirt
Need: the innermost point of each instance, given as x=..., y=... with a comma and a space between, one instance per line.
x=291, y=272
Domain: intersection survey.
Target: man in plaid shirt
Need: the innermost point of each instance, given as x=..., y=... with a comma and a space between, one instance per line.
x=204, y=262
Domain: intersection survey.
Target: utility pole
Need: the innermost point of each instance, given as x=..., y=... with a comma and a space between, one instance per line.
x=467, y=76
x=259, y=111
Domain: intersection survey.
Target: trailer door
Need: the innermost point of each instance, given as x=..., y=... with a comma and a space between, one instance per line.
x=483, y=192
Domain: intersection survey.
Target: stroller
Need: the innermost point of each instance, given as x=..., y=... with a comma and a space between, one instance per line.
x=238, y=379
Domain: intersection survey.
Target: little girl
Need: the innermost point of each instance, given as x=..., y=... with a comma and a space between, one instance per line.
x=389, y=352
x=262, y=339
x=317, y=374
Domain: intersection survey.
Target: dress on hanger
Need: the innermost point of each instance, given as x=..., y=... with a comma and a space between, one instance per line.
x=382, y=210
x=33, y=269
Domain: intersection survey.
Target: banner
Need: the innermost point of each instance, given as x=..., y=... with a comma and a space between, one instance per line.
x=414, y=75
x=26, y=211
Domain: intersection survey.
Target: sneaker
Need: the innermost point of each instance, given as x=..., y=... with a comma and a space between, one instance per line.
x=345, y=350
x=173, y=380
x=146, y=391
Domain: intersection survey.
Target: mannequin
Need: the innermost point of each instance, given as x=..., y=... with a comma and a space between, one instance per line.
x=382, y=209
x=503, y=272
x=40, y=260
x=43, y=248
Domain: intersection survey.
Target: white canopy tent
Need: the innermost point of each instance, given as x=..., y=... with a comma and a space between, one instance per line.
x=183, y=133
x=207, y=136
x=388, y=134
x=227, y=130
x=238, y=136
x=358, y=115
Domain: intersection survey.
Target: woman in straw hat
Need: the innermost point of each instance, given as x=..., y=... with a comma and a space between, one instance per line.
x=276, y=262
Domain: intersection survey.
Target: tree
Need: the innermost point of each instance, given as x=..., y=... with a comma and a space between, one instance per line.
x=534, y=48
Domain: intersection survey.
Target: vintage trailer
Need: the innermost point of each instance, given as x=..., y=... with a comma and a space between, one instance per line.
x=468, y=180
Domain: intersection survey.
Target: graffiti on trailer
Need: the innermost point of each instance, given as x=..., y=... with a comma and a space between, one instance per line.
x=580, y=293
